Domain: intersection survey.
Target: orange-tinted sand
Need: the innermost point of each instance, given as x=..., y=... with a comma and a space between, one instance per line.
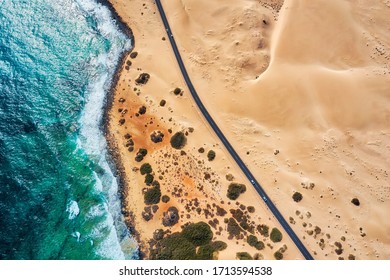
x=302, y=91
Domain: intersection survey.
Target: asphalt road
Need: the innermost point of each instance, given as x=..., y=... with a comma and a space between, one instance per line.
x=229, y=147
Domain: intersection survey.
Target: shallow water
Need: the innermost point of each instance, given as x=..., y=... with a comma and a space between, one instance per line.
x=58, y=196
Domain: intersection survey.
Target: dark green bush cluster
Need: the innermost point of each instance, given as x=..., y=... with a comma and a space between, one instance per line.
x=278, y=255
x=199, y=233
x=178, y=140
x=233, y=228
x=165, y=198
x=193, y=243
x=263, y=230
x=297, y=196
x=276, y=235
x=141, y=154
x=254, y=242
x=243, y=256
x=146, y=168
x=235, y=190
x=211, y=155
x=152, y=196
x=149, y=179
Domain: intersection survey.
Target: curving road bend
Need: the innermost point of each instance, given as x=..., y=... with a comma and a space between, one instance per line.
x=226, y=143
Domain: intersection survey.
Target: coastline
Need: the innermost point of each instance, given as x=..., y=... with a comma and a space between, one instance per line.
x=113, y=156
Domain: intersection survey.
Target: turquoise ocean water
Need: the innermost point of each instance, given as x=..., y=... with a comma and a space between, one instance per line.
x=58, y=196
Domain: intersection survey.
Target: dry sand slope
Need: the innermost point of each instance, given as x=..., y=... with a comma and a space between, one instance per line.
x=305, y=99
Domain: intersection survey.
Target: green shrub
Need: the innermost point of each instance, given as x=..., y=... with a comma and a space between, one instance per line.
x=211, y=155
x=243, y=256
x=233, y=228
x=146, y=168
x=174, y=247
x=234, y=190
x=177, y=91
x=263, y=230
x=205, y=252
x=278, y=255
x=276, y=235
x=297, y=196
x=254, y=242
x=152, y=196
x=198, y=234
x=149, y=179
x=218, y=245
x=178, y=140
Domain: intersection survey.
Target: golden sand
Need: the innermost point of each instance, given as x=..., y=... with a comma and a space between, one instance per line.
x=300, y=89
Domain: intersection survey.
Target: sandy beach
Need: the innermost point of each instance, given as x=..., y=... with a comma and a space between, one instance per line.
x=300, y=89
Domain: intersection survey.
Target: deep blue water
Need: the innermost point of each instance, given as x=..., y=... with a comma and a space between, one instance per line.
x=58, y=196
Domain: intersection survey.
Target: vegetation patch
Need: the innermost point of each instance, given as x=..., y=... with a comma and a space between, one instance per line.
x=178, y=140
x=211, y=155
x=297, y=197
x=177, y=91
x=152, y=196
x=146, y=168
x=199, y=233
x=142, y=79
x=276, y=235
x=263, y=230
x=162, y=103
x=171, y=217
x=243, y=256
x=254, y=242
x=278, y=255
x=235, y=190
x=165, y=199
x=355, y=201
x=218, y=245
x=141, y=154
x=233, y=228
x=149, y=179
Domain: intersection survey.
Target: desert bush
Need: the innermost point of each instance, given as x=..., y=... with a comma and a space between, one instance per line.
x=218, y=245
x=146, y=168
x=143, y=78
x=178, y=140
x=152, y=196
x=251, y=209
x=198, y=234
x=162, y=103
x=233, y=228
x=263, y=230
x=234, y=190
x=297, y=196
x=278, y=255
x=201, y=150
x=149, y=179
x=211, y=155
x=165, y=198
x=243, y=256
x=254, y=242
x=177, y=91
x=133, y=54
x=174, y=247
x=205, y=252
x=276, y=235
x=355, y=201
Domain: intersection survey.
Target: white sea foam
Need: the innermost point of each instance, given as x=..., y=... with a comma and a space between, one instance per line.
x=73, y=209
x=91, y=140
